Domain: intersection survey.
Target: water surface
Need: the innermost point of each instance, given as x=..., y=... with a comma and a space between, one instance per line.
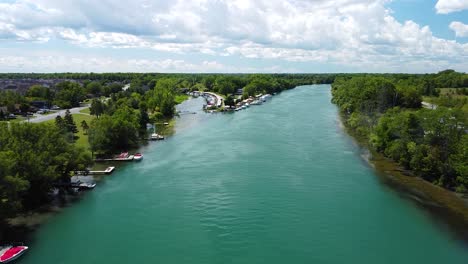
x=276, y=183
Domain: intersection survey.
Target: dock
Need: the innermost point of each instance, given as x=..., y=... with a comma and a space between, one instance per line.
x=107, y=171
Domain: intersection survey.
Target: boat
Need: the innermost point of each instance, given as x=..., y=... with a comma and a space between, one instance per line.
x=86, y=185
x=138, y=156
x=82, y=183
x=10, y=253
x=156, y=136
x=124, y=157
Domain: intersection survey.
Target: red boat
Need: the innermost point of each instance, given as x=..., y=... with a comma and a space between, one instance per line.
x=10, y=253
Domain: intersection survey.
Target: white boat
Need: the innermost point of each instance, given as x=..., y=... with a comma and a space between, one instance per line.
x=156, y=136
x=87, y=185
x=138, y=156
x=10, y=253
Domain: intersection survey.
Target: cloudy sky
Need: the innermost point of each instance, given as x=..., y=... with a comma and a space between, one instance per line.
x=233, y=35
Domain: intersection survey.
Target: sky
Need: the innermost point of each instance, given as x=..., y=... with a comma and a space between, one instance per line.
x=233, y=36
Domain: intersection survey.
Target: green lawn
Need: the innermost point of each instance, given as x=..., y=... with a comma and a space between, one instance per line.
x=86, y=111
x=82, y=138
x=17, y=119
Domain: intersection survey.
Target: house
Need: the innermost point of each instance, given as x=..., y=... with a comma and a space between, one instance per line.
x=240, y=91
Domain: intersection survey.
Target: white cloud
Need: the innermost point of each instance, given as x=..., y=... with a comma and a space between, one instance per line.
x=450, y=6
x=101, y=64
x=460, y=29
x=343, y=32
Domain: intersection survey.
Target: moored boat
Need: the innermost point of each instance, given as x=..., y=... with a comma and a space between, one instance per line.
x=124, y=157
x=156, y=136
x=138, y=156
x=10, y=253
x=86, y=185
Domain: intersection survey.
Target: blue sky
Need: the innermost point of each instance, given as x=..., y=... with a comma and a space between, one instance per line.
x=233, y=35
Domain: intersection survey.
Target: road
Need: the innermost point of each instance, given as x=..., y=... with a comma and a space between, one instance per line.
x=42, y=118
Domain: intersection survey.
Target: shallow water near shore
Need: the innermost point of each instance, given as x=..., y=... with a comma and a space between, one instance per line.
x=275, y=183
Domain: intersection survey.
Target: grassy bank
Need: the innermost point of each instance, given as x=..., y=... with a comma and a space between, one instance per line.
x=82, y=140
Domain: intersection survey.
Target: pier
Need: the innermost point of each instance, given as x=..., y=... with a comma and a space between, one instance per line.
x=107, y=171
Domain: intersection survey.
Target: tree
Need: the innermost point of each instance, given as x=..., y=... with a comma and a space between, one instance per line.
x=115, y=133
x=85, y=127
x=97, y=107
x=32, y=158
x=70, y=123
x=94, y=88
x=224, y=85
x=229, y=100
x=161, y=98
x=60, y=123
x=69, y=94
x=39, y=91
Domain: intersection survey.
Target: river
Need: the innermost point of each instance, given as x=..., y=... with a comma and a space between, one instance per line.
x=276, y=183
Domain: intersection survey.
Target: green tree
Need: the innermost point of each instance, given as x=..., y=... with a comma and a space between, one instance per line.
x=32, y=158
x=94, y=88
x=85, y=127
x=70, y=123
x=60, y=123
x=97, y=107
x=69, y=94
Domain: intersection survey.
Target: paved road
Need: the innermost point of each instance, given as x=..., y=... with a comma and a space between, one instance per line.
x=42, y=118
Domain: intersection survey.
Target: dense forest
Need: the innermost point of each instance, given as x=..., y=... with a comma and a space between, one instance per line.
x=386, y=111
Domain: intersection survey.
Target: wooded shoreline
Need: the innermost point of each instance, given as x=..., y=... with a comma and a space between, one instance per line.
x=446, y=207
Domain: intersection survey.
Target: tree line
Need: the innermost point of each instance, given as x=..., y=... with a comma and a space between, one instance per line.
x=386, y=111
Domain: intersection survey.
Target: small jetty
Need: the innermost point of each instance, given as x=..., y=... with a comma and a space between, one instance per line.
x=107, y=171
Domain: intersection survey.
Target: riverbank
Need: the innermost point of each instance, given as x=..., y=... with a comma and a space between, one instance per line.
x=19, y=227
x=446, y=207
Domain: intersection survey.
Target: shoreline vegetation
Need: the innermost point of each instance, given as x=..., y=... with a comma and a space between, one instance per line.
x=373, y=107
x=446, y=207
x=420, y=152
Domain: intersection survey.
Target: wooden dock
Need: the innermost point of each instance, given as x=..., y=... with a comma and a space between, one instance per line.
x=108, y=170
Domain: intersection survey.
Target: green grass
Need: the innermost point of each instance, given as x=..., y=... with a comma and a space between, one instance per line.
x=82, y=140
x=86, y=111
x=180, y=98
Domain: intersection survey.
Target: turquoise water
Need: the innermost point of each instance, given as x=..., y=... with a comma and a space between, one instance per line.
x=277, y=183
